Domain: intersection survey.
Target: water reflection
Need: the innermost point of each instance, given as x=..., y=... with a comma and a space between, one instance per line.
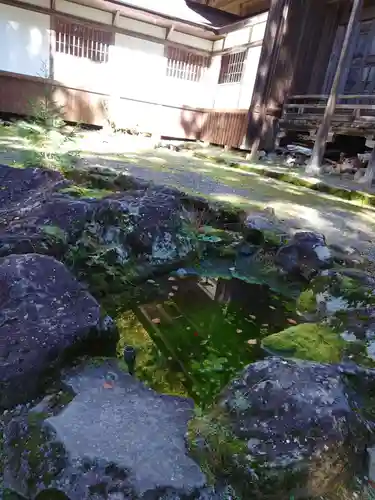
x=194, y=334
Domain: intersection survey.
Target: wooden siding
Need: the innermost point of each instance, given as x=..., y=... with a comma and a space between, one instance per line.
x=227, y=127
x=224, y=127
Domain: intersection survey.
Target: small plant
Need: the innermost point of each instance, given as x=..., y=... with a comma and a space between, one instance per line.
x=47, y=139
x=218, y=451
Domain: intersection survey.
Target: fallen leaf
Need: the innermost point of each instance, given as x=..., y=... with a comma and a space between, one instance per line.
x=156, y=321
x=291, y=321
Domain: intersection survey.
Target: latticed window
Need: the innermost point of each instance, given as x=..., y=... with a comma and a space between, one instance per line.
x=186, y=65
x=232, y=66
x=82, y=41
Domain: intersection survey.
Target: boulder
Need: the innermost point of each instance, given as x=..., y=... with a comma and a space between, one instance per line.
x=295, y=426
x=304, y=255
x=107, y=436
x=346, y=255
x=333, y=291
x=45, y=315
x=35, y=215
x=135, y=223
x=264, y=228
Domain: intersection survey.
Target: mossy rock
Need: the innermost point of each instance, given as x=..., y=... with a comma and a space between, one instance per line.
x=84, y=192
x=334, y=291
x=220, y=454
x=307, y=341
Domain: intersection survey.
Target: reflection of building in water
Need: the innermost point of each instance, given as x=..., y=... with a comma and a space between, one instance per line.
x=218, y=297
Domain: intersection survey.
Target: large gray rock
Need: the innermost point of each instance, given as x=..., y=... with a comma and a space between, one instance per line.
x=115, y=437
x=300, y=425
x=305, y=255
x=42, y=212
x=45, y=314
x=30, y=201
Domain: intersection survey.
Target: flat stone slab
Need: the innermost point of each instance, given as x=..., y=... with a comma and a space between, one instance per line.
x=130, y=425
x=115, y=435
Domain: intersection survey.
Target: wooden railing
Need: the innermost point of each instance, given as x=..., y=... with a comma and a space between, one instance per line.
x=355, y=113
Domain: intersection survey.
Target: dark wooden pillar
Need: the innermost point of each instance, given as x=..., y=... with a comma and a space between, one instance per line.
x=281, y=51
x=322, y=135
x=275, y=22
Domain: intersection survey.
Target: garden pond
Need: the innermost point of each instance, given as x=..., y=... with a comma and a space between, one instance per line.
x=194, y=330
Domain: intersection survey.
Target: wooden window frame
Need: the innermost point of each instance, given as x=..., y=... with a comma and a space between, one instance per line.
x=232, y=67
x=182, y=64
x=82, y=40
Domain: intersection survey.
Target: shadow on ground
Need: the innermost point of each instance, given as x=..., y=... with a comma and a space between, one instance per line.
x=341, y=221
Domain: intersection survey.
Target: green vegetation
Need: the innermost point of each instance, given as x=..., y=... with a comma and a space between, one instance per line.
x=85, y=192
x=308, y=341
x=99, y=258
x=153, y=367
x=340, y=290
x=217, y=450
x=306, y=302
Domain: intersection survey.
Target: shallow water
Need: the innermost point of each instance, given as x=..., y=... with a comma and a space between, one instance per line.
x=193, y=334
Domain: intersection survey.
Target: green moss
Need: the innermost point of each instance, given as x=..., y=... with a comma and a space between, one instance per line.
x=84, y=192
x=306, y=302
x=217, y=450
x=309, y=341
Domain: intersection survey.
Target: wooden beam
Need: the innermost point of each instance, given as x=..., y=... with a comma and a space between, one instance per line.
x=169, y=31
x=322, y=135
x=115, y=18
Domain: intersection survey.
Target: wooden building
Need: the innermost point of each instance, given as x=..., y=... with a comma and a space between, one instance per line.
x=316, y=76
x=175, y=68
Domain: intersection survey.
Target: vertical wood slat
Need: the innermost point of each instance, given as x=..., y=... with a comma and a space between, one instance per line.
x=226, y=128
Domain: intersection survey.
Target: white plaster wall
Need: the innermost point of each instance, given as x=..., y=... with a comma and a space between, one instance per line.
x=24, y=41
x=192, y=41
x=236, y=38
x=248, y=80
x=227, y=96
x=239, y=95
x=138, y=71
x=141, y=27
x=136, y=68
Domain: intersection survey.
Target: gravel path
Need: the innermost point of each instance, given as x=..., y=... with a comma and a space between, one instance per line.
x=342, y=222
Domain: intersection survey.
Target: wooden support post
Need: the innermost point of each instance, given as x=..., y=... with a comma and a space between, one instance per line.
x=274, y=26
x=370, y=171
x=322, y=135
